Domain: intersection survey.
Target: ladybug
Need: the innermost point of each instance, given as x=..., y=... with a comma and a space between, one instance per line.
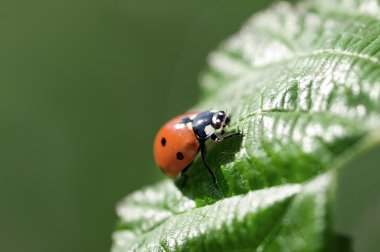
x=178, y=142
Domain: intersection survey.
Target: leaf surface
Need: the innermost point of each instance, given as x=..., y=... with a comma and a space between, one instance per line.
x=302, y=82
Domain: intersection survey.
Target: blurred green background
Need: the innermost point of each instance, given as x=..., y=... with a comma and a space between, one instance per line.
x=84, y=87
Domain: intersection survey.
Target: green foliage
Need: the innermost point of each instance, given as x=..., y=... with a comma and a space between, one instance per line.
x=303, y=83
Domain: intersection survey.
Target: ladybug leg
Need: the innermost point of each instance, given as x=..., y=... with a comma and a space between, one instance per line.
x=184, y=175
x=216, y=138
x=232, y=135
x=203, y=154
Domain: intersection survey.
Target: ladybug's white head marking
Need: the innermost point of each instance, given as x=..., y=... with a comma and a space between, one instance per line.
x=209, y=129
x=220, y=119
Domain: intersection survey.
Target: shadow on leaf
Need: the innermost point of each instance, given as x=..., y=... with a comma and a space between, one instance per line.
x=197, y=182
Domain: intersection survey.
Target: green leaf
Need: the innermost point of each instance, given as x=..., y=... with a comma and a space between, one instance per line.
x=244, y=222
x=303, y=83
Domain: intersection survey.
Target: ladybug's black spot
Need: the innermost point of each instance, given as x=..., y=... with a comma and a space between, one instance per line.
x=180, y=156
x=163, y=141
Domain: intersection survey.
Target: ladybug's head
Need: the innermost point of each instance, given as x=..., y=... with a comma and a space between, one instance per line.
x=220, y=119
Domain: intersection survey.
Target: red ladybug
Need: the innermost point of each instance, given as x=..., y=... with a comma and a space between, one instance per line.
x=178, y=142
